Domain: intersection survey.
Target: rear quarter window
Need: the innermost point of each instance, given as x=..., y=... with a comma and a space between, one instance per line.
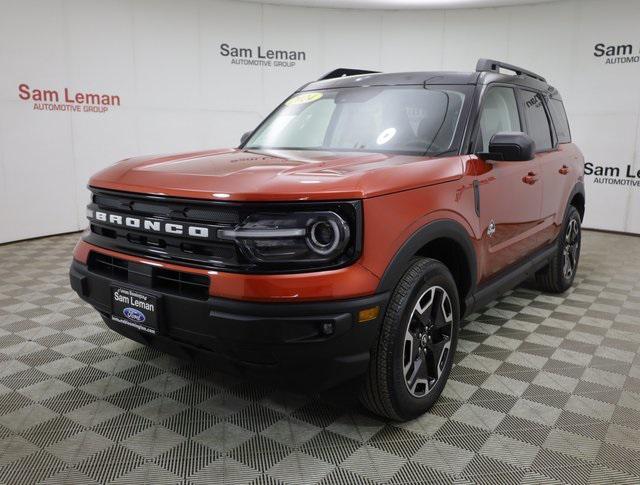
x=559, y=117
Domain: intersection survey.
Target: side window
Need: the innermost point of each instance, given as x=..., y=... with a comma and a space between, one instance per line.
x=559, y=117
x=499, y=113
x=537, y=120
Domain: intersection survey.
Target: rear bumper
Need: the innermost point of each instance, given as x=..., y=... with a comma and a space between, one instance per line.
x=279, y=340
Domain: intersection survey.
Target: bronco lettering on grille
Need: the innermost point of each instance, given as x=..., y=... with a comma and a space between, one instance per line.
x=151, y=225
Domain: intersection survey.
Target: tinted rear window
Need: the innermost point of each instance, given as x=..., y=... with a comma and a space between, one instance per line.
x=537, y=121
x=559, y=117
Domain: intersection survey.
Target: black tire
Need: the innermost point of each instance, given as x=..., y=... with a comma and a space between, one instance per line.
x=556, y=277
x=426, y=285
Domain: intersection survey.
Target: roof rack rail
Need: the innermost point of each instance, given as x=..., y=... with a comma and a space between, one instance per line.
x=492, y=65
x=342, y=71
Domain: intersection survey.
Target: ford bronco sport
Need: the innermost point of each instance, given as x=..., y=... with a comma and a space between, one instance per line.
x=348, y=234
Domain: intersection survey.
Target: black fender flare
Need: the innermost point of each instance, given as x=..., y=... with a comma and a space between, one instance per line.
x=578, y=188
x=441, y=228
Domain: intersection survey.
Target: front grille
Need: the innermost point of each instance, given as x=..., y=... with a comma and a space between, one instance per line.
x=190, y=210
x=208, y=252
x=185, y=231
x=179, y=283
x=114, y=268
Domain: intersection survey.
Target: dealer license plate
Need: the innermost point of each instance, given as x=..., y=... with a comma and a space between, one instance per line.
x=135, y=309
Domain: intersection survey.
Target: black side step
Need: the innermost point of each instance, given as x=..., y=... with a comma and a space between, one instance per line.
x=509, y=279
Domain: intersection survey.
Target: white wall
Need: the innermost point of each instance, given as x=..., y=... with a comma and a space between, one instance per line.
x=161, y=57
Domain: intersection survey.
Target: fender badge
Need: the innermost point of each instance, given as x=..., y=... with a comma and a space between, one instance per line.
x=492, y=228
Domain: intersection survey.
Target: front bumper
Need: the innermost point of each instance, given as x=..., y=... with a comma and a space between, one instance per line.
x=277, y=340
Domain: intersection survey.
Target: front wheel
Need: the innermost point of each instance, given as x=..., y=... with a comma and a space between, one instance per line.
x=558, y=275
x=413, y=357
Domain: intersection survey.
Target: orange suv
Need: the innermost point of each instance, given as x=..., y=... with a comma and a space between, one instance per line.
x=348, y=234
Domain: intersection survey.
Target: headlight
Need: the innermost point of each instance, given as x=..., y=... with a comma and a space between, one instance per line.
x=327, y=235
x=308, y=238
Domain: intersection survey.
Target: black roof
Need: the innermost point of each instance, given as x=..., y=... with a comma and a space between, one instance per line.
x=487, y=71
x=396, y=79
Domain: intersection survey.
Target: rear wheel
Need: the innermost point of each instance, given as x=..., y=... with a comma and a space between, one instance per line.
x=413, y=357
x=558, y=275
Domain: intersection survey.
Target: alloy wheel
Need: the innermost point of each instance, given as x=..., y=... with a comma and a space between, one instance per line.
x=427, y=342
x=571, y=249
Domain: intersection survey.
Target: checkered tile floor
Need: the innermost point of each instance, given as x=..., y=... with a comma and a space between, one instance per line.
x=546, y=390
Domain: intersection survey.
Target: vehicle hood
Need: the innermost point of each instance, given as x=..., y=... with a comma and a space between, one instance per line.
x=247, y=175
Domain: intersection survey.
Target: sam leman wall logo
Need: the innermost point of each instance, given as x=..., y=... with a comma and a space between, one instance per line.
x=616, y=53
x=612, y=175
x=67, y=100
x=261, y=56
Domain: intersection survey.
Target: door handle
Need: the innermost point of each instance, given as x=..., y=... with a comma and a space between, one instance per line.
x=530, y=178
x=564, y=170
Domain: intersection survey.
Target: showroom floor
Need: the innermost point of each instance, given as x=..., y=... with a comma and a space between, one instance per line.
x=546, y=390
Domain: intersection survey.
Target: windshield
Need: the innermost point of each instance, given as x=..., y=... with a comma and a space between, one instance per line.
x=399, y=119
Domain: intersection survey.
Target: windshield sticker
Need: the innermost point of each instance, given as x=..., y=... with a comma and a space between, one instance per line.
x=303, y=98
x=385, y=136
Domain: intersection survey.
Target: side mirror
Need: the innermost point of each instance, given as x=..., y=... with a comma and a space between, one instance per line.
x=245, y=136
x=510, y=146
